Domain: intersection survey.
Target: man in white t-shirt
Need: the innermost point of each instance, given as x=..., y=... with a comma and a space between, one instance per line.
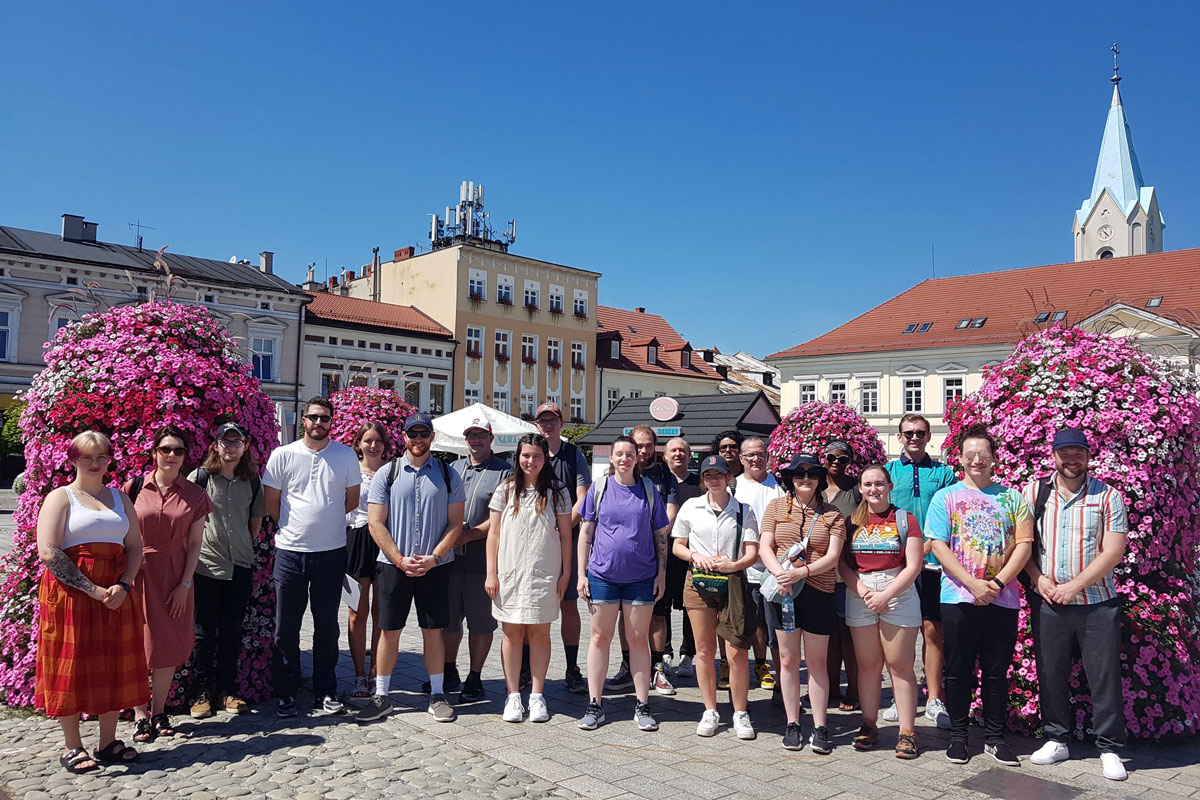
x=310, y=485
x=756, y=488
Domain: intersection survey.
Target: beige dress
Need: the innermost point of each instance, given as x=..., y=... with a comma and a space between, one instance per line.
x=529, y=561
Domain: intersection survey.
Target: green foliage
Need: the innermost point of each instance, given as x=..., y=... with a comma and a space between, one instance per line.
x=573, y=433
x=10, y=435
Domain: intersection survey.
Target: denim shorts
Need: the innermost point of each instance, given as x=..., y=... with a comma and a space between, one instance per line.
x=904, y=611
x=638, y=593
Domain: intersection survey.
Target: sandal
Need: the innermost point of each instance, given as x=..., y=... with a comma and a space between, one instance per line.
x=143, y=732
x=906, y=745
x=849, y=705
x=73, y=761
x=162, y=725
x=115, y=752
x=867, y=738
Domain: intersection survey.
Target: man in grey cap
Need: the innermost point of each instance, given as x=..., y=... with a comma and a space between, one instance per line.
x=1080, y=532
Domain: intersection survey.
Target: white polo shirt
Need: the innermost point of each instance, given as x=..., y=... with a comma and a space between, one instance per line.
x=312, y=511
x=710, y=533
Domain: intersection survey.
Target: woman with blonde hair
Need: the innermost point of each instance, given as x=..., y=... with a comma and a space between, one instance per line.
x=90, y=657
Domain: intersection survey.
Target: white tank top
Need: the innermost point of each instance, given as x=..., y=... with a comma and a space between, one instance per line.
x=86, y=525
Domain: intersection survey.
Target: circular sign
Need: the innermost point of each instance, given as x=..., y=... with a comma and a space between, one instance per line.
x=664, y=409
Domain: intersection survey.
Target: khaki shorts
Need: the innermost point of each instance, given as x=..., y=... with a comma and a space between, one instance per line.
x=694, y=601
x=903, y=612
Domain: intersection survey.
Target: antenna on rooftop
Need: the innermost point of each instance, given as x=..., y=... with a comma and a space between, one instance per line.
x=137, y=226
x=468, y=223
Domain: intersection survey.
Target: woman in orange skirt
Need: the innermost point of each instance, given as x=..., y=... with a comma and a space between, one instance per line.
x=90, y=656
x=171, y=510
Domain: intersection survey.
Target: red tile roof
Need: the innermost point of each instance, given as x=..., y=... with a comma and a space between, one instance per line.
x=1011, y=301
x=637, y=329
x=336, y=308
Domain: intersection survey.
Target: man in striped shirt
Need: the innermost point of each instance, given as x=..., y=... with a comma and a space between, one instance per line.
x=1081, y=527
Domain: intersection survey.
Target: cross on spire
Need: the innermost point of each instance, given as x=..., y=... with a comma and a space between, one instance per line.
x=1115, y=78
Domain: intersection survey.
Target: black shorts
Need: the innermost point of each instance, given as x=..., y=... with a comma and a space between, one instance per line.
x=362, y=554
x=677, y=570
x=816, y=612
x=929, y=587
x=396, y=592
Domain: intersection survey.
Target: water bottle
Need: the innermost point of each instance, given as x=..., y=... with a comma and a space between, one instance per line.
x=789, y=601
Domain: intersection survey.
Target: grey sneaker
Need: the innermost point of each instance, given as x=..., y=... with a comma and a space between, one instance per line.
x=376, y=708
x=892, y=714
x=593, y=716
x=935, y=711
x=440, y=709
x=641, y=715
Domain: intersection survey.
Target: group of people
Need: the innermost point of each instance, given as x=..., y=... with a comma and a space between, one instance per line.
x=805, y=566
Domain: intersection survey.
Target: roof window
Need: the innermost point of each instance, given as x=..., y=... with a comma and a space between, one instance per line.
x=1154, y=302
x=1059, y=316
x=911, y=328
x=978, y=322
x=963, y=323
x=1042, y=317
x=925, y=326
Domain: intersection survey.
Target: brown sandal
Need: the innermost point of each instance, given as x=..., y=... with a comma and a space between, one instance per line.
x=867, y=738
x=906, y=745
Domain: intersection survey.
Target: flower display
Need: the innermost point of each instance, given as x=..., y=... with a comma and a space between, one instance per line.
x=125, y=372
x=1140, y=413
x=810, y=426
x=355, y=405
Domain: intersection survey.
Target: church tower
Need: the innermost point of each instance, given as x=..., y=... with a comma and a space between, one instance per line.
x=1121, y=216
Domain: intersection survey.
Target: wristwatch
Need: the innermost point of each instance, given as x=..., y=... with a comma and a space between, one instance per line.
x=437, y=560
x=125, y=585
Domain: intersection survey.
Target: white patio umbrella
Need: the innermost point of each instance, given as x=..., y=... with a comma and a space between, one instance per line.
x=448, y=429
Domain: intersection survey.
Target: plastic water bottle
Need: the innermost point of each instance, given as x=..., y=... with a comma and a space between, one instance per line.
x=789, y=614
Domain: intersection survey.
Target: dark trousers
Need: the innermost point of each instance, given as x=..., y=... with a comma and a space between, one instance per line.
x=302, y=579
x=987, y=634
x=1097, y=629
x=220, y=609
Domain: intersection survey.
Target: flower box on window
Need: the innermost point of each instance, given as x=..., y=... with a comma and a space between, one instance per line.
x=473, y=353
x=531, y=306
x=530, y=360
x=475, y=297
x=554, y=364
x=579, y=312
x=577, y=364
x=504, y=301
x=502, y=357
x=555, y=309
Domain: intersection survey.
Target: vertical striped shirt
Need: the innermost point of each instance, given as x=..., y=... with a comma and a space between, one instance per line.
x=1072, y=530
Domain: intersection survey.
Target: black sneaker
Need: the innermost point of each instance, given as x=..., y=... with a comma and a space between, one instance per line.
x=472, y=689
x=525, y=681
x=286, y=707
x=793, y=738
x=621, y=682
x=1003, y=754
x=820, y=741
x=451, y=682
x=376, y=708
x=575, y=681
x=957, y=753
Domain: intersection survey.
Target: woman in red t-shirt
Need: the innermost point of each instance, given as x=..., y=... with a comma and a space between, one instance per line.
x=880, y=562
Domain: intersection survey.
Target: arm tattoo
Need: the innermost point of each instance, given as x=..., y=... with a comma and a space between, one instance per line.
x=660, y=545
x=65, y=570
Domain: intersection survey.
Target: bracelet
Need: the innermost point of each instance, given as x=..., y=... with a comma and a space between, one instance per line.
x=125, y=585
x=999, y=583
x=186, y=584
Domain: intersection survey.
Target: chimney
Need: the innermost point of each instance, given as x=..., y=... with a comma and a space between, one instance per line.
x=640, y=309
x=72, y=228
x=349, y=275
x=333, y=281
x=266, y=261
x=722, y=370
x=89, y=231
x=403, y=253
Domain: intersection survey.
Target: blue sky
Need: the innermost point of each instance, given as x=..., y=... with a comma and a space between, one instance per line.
x=772, y=168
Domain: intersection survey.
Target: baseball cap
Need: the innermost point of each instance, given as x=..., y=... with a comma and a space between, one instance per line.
x=232, y=427
x=420, y=419
x=478, y=423
x=1071, y=437
x=714, y=462
x=551, y=407
x=803, y=460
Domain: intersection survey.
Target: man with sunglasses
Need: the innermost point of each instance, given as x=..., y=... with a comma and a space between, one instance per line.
x=916, y=478
x=310, y=485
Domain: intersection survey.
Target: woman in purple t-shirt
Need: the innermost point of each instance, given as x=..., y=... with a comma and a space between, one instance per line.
x=622, y=563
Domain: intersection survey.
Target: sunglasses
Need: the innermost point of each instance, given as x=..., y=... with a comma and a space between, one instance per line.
x=910, y=435
x=832, y=459
x=816, y=473
x=419, y=434
x=171, y=451
x=318, y=418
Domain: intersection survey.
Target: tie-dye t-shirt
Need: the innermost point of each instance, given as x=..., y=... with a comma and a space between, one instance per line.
x=981, y=529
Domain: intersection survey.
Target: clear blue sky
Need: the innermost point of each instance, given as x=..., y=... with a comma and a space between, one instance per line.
x=772, y=168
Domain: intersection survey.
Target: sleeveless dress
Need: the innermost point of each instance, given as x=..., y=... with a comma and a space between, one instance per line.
x=529, y=561
x=90, y=658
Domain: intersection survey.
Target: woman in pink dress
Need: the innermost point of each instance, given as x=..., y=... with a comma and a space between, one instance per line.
x=171, y=510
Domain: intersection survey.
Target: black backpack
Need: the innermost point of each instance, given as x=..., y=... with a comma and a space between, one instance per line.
x=202, y=476
x=1045, y=487
x=393, y=471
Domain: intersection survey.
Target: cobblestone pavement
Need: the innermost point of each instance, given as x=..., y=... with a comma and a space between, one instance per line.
x=411, y=755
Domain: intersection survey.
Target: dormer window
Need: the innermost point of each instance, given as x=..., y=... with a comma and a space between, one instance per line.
x=963, y=324
x=911, y=328
x=1154, y=302
x=651, y=354
x=1042, y=316
x=1059, y=316
x=616, y=350
x=685, y=359
x=925, y=326
x=978, y=322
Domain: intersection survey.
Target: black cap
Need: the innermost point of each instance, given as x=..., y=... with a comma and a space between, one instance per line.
x=714, y=462
x=803, y=460
x=1071, y=437
x=232, y=426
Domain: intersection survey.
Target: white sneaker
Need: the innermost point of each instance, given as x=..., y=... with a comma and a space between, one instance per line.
x=935, y=711
x=513, y=710
x=742, y=725
x=1050, y=753
x=892, y=714
x=1112, y=768
x=537, y=708
x=709, y=723
x=684, y=667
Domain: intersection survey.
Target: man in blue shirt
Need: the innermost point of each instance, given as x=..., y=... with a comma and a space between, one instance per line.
x=916, y=478
x=415, y=515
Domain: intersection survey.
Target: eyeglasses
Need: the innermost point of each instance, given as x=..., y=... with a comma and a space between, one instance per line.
x=910, y=435
x=171, y=451
x=324, y=418
x=970, y=457
x=548, y=422
x=816, y=473
x=757, y=455
x=725, y=448
x=232, y=444
x=477, y=436
x=421, y=433
x=102, y=459
x=832, y=459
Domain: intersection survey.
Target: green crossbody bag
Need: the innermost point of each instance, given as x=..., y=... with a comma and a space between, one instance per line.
x=716, y=584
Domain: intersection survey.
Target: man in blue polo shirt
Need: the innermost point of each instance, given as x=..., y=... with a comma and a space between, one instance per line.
x=416, y=518
x=916, y=478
